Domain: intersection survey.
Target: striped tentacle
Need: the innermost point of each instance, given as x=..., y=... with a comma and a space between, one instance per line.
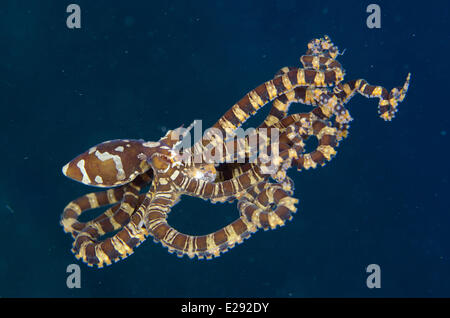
x=240, y=163
x=265, y=93
x=219, y=242
x=201, y=246
x=328, y=104
x=294, y=130
x=290, y=143
x=309, y=125
x=323, y=73
x=267, y=164
x=320, y=56
x=216, y=243
x=298, y=128
x=177, y=182
x=234, y=170
x=387, y=106
x=191, y=181
x=114, y=248
x=323, y=47
x=247, y=148
x=281, y=105
x=272, y=89
x=267, y=206
x=73, y=210
x=284, y=70
x=116, y=220
x=332, y=104
x=227, y=171
x=320, y=62
x=88, y=245
x=216, y=191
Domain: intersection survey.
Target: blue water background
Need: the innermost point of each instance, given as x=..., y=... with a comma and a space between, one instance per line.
x=138, y=68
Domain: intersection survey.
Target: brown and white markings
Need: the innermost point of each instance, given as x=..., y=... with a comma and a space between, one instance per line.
x=111, y=163
x=264, y=197
x=119, y=218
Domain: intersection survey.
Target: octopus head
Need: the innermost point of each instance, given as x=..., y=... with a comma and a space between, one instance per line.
x=111, y=163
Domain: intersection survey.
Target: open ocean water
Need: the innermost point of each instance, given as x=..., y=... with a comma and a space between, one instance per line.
x=137, y=68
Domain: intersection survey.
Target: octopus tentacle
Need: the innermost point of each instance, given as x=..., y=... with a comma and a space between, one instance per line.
x=272, y=89
x=387, y=106
x=201, y=246
x=73, y=210
x=269, y=207
x=92, y=251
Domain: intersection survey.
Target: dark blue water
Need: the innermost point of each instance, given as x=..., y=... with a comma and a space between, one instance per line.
x=137, y=68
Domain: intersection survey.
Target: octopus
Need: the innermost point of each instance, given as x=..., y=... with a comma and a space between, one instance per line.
x=221, y=167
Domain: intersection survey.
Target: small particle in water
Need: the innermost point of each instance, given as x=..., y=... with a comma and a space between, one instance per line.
x=443, y=133
x=9, y=208
x=128, y=21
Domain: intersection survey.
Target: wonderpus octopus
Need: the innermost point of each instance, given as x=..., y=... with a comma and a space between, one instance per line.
x=222, y=166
